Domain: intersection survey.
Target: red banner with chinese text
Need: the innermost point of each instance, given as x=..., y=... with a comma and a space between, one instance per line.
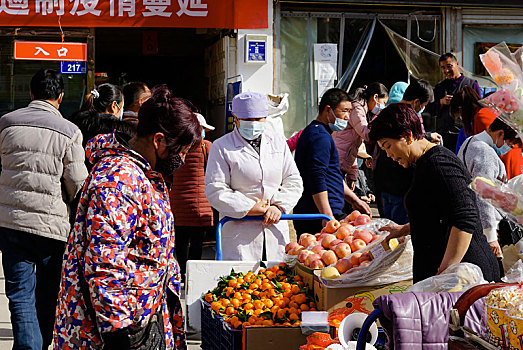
x=233, y=14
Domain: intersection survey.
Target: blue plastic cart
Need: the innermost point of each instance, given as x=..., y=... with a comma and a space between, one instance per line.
x=260, y=218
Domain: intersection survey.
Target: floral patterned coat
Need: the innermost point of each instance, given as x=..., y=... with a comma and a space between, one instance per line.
x=123, y=239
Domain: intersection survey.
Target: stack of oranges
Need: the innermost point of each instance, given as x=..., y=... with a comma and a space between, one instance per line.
x=271, y=297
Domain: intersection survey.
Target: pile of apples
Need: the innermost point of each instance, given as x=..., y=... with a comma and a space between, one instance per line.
x=336, y=241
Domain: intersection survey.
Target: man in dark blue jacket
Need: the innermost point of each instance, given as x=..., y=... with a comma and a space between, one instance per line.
x=317, y=159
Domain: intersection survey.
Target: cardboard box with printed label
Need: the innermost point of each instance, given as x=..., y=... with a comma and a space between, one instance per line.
x=340, y=302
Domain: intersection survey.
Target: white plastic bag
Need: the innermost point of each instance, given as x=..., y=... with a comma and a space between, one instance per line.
x=392, y=267
x=456, y=278
x=515, y=274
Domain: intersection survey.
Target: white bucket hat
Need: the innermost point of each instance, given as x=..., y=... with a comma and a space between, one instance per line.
x=203, y=122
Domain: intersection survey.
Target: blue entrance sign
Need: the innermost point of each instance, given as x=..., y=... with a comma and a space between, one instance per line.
x=73, y=67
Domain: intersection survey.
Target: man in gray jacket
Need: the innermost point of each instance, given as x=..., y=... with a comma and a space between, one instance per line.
x=42, y=171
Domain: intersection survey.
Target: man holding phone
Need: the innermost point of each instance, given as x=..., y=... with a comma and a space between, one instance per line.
x=454, y=81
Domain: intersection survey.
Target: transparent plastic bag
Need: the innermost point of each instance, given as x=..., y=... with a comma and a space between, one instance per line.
x=456, y=278
x=515, y=274
x=508, y=198
x=390, y=267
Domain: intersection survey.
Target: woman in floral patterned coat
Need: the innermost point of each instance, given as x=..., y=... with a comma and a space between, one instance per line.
x=121, y=250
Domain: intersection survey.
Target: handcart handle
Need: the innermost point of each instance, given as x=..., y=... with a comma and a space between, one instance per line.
x=260, y=218
x=362, y=337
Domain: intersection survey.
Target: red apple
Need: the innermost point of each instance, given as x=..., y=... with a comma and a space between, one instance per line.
x=326, y=240
x=317, y=249
x=311, y=258
x=317, y=236
x=302, y=237
x=343, y=265
x=332, y=226
x=342, y=250
x=317, y=264
x=375, y=237
x=348, y=239
x=343, y=232
x=296, y=250
x=364, y=257
x=362, y=220
x=290, y=246
x=303, y=255
x=365, y=264
x=355, y=259
x=352, y=216
x=334, y=243
x=357, y=244
x=307, y=240
x=329, y=257
x=366, y=236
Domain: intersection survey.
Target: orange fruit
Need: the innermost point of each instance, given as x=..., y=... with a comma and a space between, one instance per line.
x=293, y=304
x=295, y=289
x=266, y=286
x=248, y=306
x=238, y=295
x=301, y=298
x=304, y=307
x=258, y=304
x=246, y=297
x=286, y=301
x=268, y=303
x=258, y=281
x=258, y=312
x=246, y=324
x=252, y=320
x=235, y=303
x=268, y=323
x=294, y=317
x=312, y=304
x=261, y=271
x=230, y=310
x=254, y=286
x=209, y=297
x=239, y=281
x=296, y=278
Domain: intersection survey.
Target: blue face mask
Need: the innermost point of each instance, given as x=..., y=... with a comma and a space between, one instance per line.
x=377, y=108
x=250, y=130
x=421, y=111
x=501, y=151
x=203, y=134
x=339, y=124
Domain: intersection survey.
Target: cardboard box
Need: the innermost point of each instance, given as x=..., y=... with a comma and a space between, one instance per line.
x=345, y=301
x=262, y=338
x=306, y=274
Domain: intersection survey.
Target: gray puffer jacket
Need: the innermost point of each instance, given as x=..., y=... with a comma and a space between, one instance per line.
x=42, y=170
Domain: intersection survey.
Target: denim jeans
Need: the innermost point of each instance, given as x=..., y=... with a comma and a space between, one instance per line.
x=394, y=209
x=32, y=267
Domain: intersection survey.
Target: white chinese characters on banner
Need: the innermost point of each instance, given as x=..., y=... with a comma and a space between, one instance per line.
x=89, y=6
x=325, y=61
x=120, y=8
x=156, y=8
x=124, y=6
x=46, y=7
x=193, y=8
x=14, y=7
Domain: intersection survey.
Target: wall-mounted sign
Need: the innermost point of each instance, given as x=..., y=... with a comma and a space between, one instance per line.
x=50, y=51
x=73, y=67
x=233, y=14
x=255, y=48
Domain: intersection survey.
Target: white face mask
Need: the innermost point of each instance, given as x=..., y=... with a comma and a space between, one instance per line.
x=378, y=107
x=250, y=130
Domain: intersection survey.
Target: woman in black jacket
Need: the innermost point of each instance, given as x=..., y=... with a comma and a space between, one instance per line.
x=444, y=221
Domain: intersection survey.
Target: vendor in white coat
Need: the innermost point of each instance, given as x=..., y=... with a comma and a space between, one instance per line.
x=252, y=173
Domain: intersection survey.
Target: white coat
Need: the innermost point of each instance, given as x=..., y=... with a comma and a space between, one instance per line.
x=237, y=177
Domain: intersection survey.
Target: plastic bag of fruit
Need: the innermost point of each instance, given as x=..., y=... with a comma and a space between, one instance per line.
x=508, y=197
x=456, y=278
x=371, y=262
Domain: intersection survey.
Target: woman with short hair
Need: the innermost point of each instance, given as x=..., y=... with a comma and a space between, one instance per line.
x=444, y=220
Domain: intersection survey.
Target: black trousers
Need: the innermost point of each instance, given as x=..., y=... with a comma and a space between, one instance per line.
x=189, y=243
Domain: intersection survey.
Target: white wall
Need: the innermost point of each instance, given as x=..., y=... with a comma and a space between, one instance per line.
x=257, y=77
